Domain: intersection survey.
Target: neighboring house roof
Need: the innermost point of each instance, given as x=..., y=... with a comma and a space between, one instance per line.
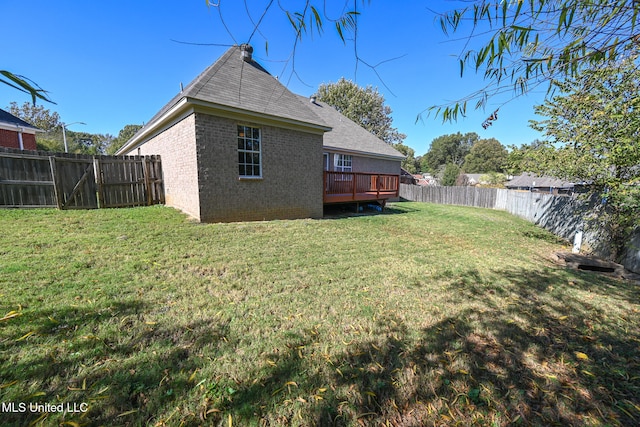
x=406, y=177
x=531, y=180
x=10, y=122
x=234, y=85
x=474, y=178
x=348, y=136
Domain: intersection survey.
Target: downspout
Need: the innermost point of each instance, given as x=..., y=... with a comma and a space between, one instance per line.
x=20, y=143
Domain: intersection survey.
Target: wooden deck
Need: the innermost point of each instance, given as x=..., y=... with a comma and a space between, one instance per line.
x=343, y=187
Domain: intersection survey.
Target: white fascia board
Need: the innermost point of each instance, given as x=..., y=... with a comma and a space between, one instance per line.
x=18, y=128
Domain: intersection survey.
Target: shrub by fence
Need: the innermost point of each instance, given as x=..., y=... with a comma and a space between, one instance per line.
x=73, y=181
x=564, y=216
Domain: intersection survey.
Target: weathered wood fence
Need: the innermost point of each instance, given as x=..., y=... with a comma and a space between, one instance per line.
x=465, y=196
x=73, y=181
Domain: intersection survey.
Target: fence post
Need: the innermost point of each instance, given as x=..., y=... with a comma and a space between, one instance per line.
x=97, y=166
x=146, y=167
x=56, y=184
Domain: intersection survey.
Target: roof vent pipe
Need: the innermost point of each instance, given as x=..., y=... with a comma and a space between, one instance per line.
x=312, y=99
x=245, y=52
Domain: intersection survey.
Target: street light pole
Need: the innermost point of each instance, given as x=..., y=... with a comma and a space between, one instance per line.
x=64, y=133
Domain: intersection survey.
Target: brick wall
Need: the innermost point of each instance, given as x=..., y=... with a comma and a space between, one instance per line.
x=291, y=183
x=177, y=148
x=9, y=138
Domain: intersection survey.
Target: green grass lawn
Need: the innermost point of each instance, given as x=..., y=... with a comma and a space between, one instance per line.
x=424, y=315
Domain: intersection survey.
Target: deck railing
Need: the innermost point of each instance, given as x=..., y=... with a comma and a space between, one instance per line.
x=356, y=186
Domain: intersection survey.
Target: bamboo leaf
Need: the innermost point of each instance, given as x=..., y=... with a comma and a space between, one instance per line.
x=293, y=24
x=581, y=355
x=25, y=336
x=317, y=18
x=562, y=19
x=23, y=84
x=10, y=315
x=8, y=384
x=339, y=29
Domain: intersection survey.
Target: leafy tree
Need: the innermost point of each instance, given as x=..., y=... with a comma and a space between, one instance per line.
x=594, y=129
x=446, y=149
x=518, y=45
x=364, y=106
x=486, y=155
x=44, y=119
x=517, y=159
x=88, y=143
x=24, y=84
x=50, y=141
x=493, y=179
x=527, y=43
x=410, y=164
x=450, y=174
x=125, y=134
x=462, y=180
x=36, y=115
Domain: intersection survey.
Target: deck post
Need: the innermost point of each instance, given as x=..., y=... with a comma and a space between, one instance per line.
x=353, y=184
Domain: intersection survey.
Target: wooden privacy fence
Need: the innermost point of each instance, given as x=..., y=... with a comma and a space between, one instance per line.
x=465, y=196
x=71, y=181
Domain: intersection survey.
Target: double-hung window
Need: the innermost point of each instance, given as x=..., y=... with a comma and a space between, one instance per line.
x=249, y=152
x=342, y=162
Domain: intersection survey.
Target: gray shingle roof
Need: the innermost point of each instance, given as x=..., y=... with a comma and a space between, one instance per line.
x=243, y=85
x=11, y=120
x=527, y=180
x=247, y=87
x=347, y=135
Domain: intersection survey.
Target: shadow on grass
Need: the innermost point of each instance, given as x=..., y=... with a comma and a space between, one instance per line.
x=126, y=370
x=536, y=360
x=517, y=353
x=346, y=210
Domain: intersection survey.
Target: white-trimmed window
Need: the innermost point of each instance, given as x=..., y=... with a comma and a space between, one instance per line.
x=325, y=157
x=249, y=152
x=342, y=162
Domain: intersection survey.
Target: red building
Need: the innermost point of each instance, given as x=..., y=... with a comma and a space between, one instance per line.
x=16, y=133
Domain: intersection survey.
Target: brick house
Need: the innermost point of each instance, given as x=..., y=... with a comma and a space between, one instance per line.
x=16, y=133
x=237, y=145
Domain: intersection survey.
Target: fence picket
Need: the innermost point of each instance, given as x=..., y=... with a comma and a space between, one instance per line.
x=42, y=179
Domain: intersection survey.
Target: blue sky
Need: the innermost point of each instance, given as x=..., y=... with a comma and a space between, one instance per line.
x=117, y=62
